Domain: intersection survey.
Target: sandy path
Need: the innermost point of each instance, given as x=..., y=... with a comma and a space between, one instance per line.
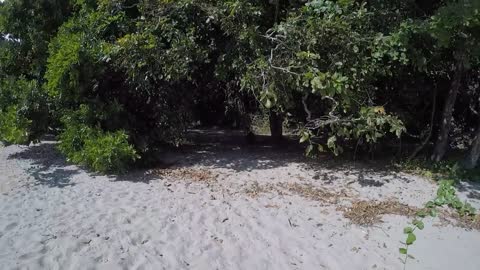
x=55, y=216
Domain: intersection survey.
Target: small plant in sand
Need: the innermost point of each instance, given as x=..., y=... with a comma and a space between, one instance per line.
x=446, y=196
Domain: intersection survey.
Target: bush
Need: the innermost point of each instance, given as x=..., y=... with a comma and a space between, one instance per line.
x=13, y=129
x=99, y=150
x=108, y=151
x=23, y=112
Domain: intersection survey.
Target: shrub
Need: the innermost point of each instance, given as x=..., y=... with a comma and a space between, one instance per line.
x=108, y=151
x=100, y=151
x=90, y=146
x=13, y=129
x=23, y=112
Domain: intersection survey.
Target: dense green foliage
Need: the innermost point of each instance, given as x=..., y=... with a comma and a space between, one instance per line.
x=23, y=111
x=333, y=70
x=117, y=79
x=86, y=144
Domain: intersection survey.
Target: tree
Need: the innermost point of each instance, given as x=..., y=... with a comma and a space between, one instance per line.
x=26, y=27
x=455, y=27
x=327, y=55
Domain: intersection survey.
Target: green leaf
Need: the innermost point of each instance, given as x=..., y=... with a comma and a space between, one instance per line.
x=456, y=203
x=411, y=238
x=439, y=201
x=331, y=142
x=309, y=149
x=433, y=212
x=320, y=148
x=421, y=214
x=402, y=251
x=419, y=224
x=407, y=230
x=269, y=104
x=305, y=137
x=430, y=204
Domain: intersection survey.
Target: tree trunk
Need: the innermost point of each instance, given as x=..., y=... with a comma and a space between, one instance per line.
x=471, y=160
x=432, y=120
x=276, y=126
x=277, y=11
x=442, y=140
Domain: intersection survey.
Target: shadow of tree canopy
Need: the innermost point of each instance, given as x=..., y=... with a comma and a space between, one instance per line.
x=471, y=189
x=226, y=149
x=48, y=166
x=230, y=149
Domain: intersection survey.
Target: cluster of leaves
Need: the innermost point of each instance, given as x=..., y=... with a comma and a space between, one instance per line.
x=25, y=30
x=13, y=128
x=327, y=54
x=90, y=146
x=371, y=124
x=127, y=68
x=23, y=113
x=446, y=196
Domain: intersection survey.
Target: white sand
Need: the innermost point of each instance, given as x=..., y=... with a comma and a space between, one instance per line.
x=55, y=216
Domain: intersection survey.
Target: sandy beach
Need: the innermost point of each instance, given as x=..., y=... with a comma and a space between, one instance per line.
x=217, y=208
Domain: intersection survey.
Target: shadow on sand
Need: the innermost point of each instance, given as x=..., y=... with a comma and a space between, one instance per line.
x=226, y=149
x=229, y=149
x=49, y=167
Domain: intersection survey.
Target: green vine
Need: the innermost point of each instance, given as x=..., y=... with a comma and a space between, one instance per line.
x=446, y=196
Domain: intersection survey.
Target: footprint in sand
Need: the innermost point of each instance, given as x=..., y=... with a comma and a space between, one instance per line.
x=27, y=256
x=11, y=226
